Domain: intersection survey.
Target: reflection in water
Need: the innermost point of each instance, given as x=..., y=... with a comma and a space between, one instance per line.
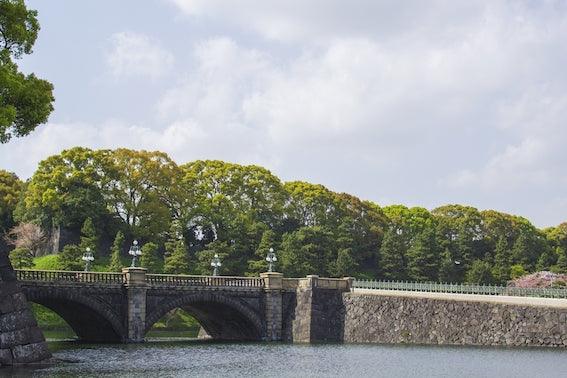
x=188, y=357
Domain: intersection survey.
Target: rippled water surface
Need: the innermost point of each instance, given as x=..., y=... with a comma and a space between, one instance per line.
x=192, y=358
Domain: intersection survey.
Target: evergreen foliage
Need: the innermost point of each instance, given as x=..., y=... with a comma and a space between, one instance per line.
x=150, y=258
x=423, y=258
x=258, y=264
x=502, y=261
x=480, y=273
x=21, y=258
x=70, y=257
x=116, y=253
x=392, y=256
x=176, y=259
x=192, y=211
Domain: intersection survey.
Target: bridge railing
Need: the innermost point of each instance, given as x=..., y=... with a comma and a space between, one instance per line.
x=461, y=288
x=186, y=280
x=69, y=276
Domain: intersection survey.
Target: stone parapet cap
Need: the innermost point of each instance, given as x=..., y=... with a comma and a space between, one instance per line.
x=135, y=276
x=272, y=280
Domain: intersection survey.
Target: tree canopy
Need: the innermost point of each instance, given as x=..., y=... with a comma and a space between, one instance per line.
x=25, y=100
x=185, y=214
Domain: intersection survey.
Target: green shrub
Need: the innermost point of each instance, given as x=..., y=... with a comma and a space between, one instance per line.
x=47, y=262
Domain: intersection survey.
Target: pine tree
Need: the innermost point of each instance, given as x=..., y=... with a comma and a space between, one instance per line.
x=345, y=265
x=204, y=257
x=392, y=256
x=150, y=258
x=70, y=257
x=561, y=260
x=480, y=273
x=448, y=268
x=258, y=264
x=176, y=260
x=423, y=257
x=89, y=238
x=547, y=259
x=502, y=261
x=116, y=252
x=520, y=251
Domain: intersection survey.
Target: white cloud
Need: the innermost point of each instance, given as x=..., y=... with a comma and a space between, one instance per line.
x=420, y=103
x=324, y=20
x=134, y=54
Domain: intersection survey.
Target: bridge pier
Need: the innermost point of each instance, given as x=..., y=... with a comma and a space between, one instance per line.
x=136, y=289
x=273, y=287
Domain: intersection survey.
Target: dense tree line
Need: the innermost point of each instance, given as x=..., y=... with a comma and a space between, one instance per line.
x=185, y=214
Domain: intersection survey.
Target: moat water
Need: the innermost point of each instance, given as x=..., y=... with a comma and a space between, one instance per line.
x=191, y=358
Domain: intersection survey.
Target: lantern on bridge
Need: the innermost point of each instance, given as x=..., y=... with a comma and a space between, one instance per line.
x=271, y=259
x=135, y=252
x=216, y=264
x=88, y=258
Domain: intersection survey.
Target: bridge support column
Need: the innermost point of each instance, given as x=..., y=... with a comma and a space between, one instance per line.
x=273, y=304
x=136, y=288
x=319, y=309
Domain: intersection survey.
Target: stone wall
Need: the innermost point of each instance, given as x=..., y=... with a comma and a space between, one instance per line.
x=318, y=315
x=21, y=341
x=406, y=319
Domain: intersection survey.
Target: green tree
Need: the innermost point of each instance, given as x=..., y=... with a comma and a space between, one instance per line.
x=309, y=250
x=460, y=231
x=21, y=258
x=345, y=265
x=423, y=257
x=89, y=238
x=150, y=258
x=529, y=246
x=70, y=257
x=448, y=267
x=561, y=260
x=10, y=189
x=547, y=259
x=480, y=273
x=502, y=261
x=517, y=271
x=258, y=264
x=176, y=259
x=25, y=101
x=65, y=190
x=116, y=253
x=205, y=257
x=393, y=263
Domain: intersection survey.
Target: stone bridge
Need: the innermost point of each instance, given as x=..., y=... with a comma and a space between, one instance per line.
x=123, y=307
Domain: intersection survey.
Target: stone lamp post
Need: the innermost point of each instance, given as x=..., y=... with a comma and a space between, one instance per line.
x=88, y=258
x=271, y=259
x=135, y=252
x=216, y=264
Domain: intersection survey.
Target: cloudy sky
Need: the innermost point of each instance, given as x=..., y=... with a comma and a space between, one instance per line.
x=413, y=102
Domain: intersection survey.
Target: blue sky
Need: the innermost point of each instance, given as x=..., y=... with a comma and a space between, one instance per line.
x=415, y=102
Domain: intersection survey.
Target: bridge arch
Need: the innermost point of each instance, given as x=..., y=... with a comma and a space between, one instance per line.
x=90, y=318
x=222, y=316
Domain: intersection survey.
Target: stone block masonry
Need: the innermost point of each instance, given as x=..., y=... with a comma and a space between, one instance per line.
x=21, y=341
x=454, y=320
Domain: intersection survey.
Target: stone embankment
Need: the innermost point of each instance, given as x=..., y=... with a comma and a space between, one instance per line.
x=21, y=341
x=378, y=316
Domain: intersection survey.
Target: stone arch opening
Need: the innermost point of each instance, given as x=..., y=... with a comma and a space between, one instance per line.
x=222, y=317
x=90, y=320
x=51, y=323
